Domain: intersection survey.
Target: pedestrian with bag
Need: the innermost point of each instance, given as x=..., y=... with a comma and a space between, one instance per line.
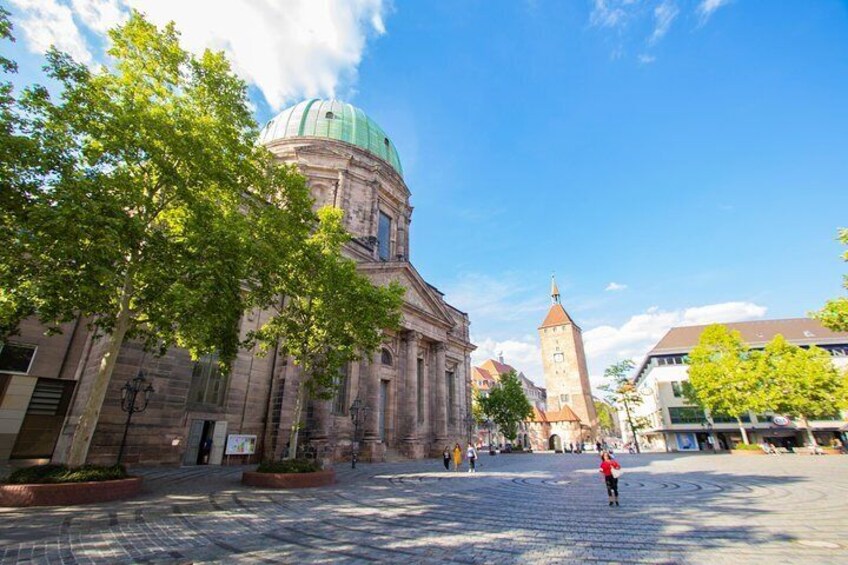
x=611, y=471
x=471, y=454
x=457, y=457
x=446, y=457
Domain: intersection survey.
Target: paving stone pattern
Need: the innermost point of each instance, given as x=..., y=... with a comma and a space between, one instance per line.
x=539, y=508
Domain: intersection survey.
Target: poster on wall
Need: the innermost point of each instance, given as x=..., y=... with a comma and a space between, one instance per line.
x=687, y=442
x=240, y=444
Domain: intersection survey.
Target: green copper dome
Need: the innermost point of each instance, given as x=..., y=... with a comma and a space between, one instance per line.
x=332, y=119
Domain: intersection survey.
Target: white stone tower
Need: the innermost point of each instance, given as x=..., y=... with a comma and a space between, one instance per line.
x=564, y=364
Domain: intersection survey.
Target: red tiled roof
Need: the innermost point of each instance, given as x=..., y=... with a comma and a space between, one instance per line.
x=496, y=368
x=800, y=331
x=539, y=415
x=565, y=414
x=557, y=316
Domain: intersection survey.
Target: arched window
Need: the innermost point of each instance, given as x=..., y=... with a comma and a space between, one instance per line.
x=330, y=115
x=386, y=357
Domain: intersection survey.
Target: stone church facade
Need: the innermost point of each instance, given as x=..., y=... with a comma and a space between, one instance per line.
x=416, y=388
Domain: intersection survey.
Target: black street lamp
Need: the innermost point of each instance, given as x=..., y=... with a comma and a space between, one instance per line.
x=358, y=412
x=490, y=424
x=468, y=420
x=129, y=395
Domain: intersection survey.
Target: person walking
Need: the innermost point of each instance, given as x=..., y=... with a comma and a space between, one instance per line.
x=457, y=457
x=471, y=454
x=446, y=457
x=611, y=470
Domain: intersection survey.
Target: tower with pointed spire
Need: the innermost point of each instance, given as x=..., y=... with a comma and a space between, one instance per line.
x=564, y=365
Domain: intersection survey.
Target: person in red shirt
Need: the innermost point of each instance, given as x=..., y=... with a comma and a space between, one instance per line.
x=607, y=466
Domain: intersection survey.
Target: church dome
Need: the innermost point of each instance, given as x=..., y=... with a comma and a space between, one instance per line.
x=332, y=119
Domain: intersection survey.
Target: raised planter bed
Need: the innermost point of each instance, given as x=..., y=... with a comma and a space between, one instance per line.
x=69, y=494
x=747, y=452
x=289, y=480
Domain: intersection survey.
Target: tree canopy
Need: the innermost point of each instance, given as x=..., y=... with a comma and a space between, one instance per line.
x=802, y=382
x=622, y=392
x=331, y=314
x=723, y=378
x=507, y=405
x=834, y=315
x=140, y=200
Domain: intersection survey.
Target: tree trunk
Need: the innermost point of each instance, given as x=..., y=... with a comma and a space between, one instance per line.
x=632, y=428
x=742, y=429
x=78, y=452
x=296, y=414
x=810, y=437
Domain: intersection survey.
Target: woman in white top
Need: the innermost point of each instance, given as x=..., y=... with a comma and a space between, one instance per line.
x=471, y=455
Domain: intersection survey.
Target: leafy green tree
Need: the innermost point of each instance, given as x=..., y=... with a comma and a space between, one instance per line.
x=802, y=382
x=606, y=419
x=722, y=376
x=507, y=405
x=331, y=314
x=139, y=214
x=622, y=392
x=834, y=315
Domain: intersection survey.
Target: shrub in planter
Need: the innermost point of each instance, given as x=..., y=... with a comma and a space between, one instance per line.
x=290, y=473
x=58, y=485
x=57, y=474
x=289, y=466
x=747, y=447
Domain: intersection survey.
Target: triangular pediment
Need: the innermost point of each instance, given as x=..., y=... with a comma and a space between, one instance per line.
x=419, y=297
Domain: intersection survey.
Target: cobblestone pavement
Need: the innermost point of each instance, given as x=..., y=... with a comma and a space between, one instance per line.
x=539, y=508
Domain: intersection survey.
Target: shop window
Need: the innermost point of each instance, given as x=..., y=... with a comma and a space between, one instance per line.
x=208, y=382
x=686, y=415
x=16, y=357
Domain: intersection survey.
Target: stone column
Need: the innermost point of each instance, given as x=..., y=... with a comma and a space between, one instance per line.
x=370, y=380
x=411, y=403
x=440, y=418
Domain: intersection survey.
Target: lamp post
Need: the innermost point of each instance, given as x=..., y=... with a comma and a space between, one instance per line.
x=358, y=412
x=129, y=395
x=490, y=424
x=468, y=420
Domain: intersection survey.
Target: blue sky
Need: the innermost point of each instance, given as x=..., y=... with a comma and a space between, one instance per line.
x=691, y=152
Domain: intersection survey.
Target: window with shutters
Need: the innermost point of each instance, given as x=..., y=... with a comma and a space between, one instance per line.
x=43, y=420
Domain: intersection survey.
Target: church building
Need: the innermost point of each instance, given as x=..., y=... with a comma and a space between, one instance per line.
x=414, y=393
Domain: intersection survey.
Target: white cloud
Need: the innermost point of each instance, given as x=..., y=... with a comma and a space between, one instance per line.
x=288, y=50
x=524, y=354
x=99, y=15
x=614, y=286
x=646, y=59
x=490, y=301
x=707, y=7
x=46, y=23
x=664, y=15
x=635, y=337
x=609, y=13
